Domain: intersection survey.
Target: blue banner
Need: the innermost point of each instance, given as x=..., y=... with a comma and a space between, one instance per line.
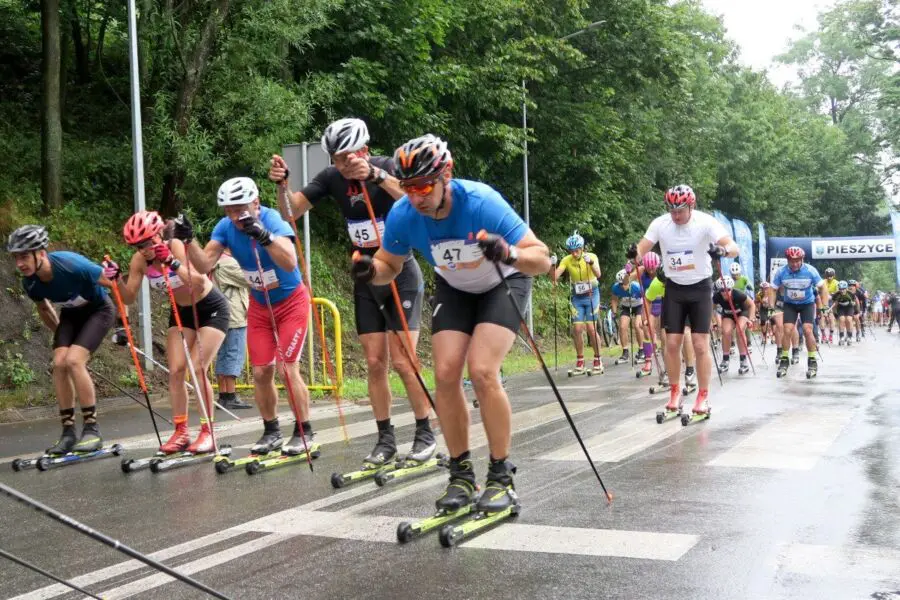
x=761, y=230
x=895, y=222
x=726, y=262
x=743, y=237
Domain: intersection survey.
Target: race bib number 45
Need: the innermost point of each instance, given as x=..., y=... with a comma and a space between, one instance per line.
x=268, y=281
x=456, y=254
x=362, y=233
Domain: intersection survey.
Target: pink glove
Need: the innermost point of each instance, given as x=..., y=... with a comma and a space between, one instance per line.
x=161, y=251
x=629, y=267
x=110, y=270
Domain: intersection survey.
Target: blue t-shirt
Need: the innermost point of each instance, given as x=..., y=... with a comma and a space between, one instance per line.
x=799, y=287
x=449, y=244
x=279, y=282
x=646, y=280
x=74, y=283
x=629, y=297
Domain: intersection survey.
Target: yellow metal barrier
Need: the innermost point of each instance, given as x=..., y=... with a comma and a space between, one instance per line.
x=337, y=357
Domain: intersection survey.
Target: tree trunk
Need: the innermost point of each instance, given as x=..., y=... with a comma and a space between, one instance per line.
x=51, y=124
x=101, y=37
x=195, y=68
x=82, y=53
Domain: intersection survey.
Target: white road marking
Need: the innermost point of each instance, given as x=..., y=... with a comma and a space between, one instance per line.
x=852, y=562
x=562, y=387
x=792, y=441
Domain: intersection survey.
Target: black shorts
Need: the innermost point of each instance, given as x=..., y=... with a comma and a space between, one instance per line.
x=806, y=312
x=456, y=310
x=683, y=302
x=843, y=311
x=630, y=311
x=84, y=326
x=855, y=310
x=763, y=314
x=373, y=302
x=212, y=310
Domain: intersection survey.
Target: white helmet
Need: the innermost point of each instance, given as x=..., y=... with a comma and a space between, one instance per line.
x=735, y=269
x=621, y=276
x=237, y=190
x=345, y=135
x=724, y=283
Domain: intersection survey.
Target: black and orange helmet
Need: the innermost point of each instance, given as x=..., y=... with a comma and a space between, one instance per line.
x=423, y=158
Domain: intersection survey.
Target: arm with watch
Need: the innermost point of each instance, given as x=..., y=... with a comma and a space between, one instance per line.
x=529, y=256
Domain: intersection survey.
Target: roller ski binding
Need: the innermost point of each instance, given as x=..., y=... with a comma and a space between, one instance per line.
x=812, y=368
x=596, y=367
x=381, y=458
x=725, y=365
x=662, y=384
x=626, y=357
x=690, y=383
x=300, y=449
x=267, y=447
x=496, y=503
x=578, y=370
x=421, y=459
x=783, y=364
x=175, y=447
x=743, y=367
x=700, y=412
x=670, y=411
x=457, y=501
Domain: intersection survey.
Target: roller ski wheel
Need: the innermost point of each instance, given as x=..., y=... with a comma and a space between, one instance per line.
x=224, y=464
x=24, y=464
x=45, y=463
x=17, y=464
x=668, y=413
x=450, y=535
x=689, y=418
x=252, y=468
x=184, y=459
x=576, y=372
x=406, y=530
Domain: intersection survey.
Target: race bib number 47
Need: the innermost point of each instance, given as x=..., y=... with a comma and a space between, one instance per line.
x=456, y=254
x=362, y=233
x=268, y=281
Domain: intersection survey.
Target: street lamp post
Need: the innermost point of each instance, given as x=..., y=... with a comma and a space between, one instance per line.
x=527, y=204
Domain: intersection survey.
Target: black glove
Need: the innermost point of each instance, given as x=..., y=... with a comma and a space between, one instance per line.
x=631, y=253
x=184, y=229
x=495, y=248
x=119, y=338
x=716, y=252
x=255, y=230
x=661, y=275
x=363, y=268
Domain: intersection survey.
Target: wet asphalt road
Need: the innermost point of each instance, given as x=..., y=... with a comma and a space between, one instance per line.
x=790, y=490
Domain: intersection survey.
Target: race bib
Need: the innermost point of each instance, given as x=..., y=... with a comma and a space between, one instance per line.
x=269, y=280
x=453, y=255
x=74, y=302
x=159, y=283
x=796, y=294
x=681, y=261
x=363, y=234
x=582, y=288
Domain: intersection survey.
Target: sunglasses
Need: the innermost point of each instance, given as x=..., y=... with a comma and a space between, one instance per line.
x=421, y=189
x=143, y=245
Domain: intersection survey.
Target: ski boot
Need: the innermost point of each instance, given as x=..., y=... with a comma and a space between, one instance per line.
x=783, y=365
x=270, y=441
x=795, y=356
x=690, y=382
x=597, y=367
x=204, y=442
x=725, y=365
x=65, y=443
x=624, y=358
x=840, y=341
x=178, y=442
x=640, y=355
x=90, y=440
x=499, y=491
x=646, y=370
x=385, y=449
x=744, y=367
x=423, y=446
x=460, y=491
x=299, y=443
x=579, y=368
x=701, y=406
x=673, y=408
x=858, y=339
x=812, y=367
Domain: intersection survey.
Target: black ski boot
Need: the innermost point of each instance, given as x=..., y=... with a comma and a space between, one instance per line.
x=90, y=440
x=795, y=356
x=812, y=367
x=65, y=443
x=783, y=365
x=724, y=365
x=499, y=491
x=744, y=367
x=624, y=358
x=424, y=444
x=300, y=441
x=271, y=439
x=385, y=448
x=461, y=490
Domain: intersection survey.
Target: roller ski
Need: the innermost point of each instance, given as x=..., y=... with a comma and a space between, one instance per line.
x=743, y=367
x=795, y=356
x=299, y=449
x=812, y=368
x=700, y=412
x=661, y=385
x=383, y=457
x=626, y=357
x=596, y=367
x=725, y=365
x=421, y=459
x=199, y=451
x=457, y=501
x=496, y=503
x=578, y=370
x=690, y=383
x=646, y=370
x=175, y=447
x=266, y=448
x=783, y=364
x=671, y=410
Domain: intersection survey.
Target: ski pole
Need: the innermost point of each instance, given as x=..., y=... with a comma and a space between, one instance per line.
x=737, y=323
x=646, y=310
x=37, y=569
x=540, y=358
x=120, y=306
x=282, y=189
x=555, y=324
x=203, y=372
x=715, y=360
x=104, y=539
x=122, y=390
x=205, y=409
x=284, y=369
x=596, y=336
x=411, y=350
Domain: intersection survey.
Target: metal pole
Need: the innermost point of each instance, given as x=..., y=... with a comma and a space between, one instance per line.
x=527, y=207
x=137, y=146
x=304, y=179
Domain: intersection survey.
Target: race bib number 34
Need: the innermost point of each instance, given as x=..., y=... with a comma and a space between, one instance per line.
x=362, y=233
x=269, y=278
x=681, y=261
x=456, y=254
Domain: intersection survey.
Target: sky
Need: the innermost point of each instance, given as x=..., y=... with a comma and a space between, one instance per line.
x=762, y=29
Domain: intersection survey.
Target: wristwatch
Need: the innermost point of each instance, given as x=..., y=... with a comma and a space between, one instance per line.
x=512, y=257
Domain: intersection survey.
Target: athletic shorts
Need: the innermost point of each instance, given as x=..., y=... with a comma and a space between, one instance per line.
x=291, y=319
x=855, y=310
x=878, y=308
x=763, y=314
x=212, y=310
x=586, y=308
x=373, y=302
x=806, y=312
x=656, y=308
x=683, y=302
x=456, y=310
x=843, y=311
x=85, y=326
x=630, y=311
x=232, y=352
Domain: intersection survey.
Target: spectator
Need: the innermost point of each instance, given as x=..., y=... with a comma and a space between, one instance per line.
x=231, y=357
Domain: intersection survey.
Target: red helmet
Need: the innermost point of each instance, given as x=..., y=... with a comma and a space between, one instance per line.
x=795, y=252
x=679, y=196
x=142, y=226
